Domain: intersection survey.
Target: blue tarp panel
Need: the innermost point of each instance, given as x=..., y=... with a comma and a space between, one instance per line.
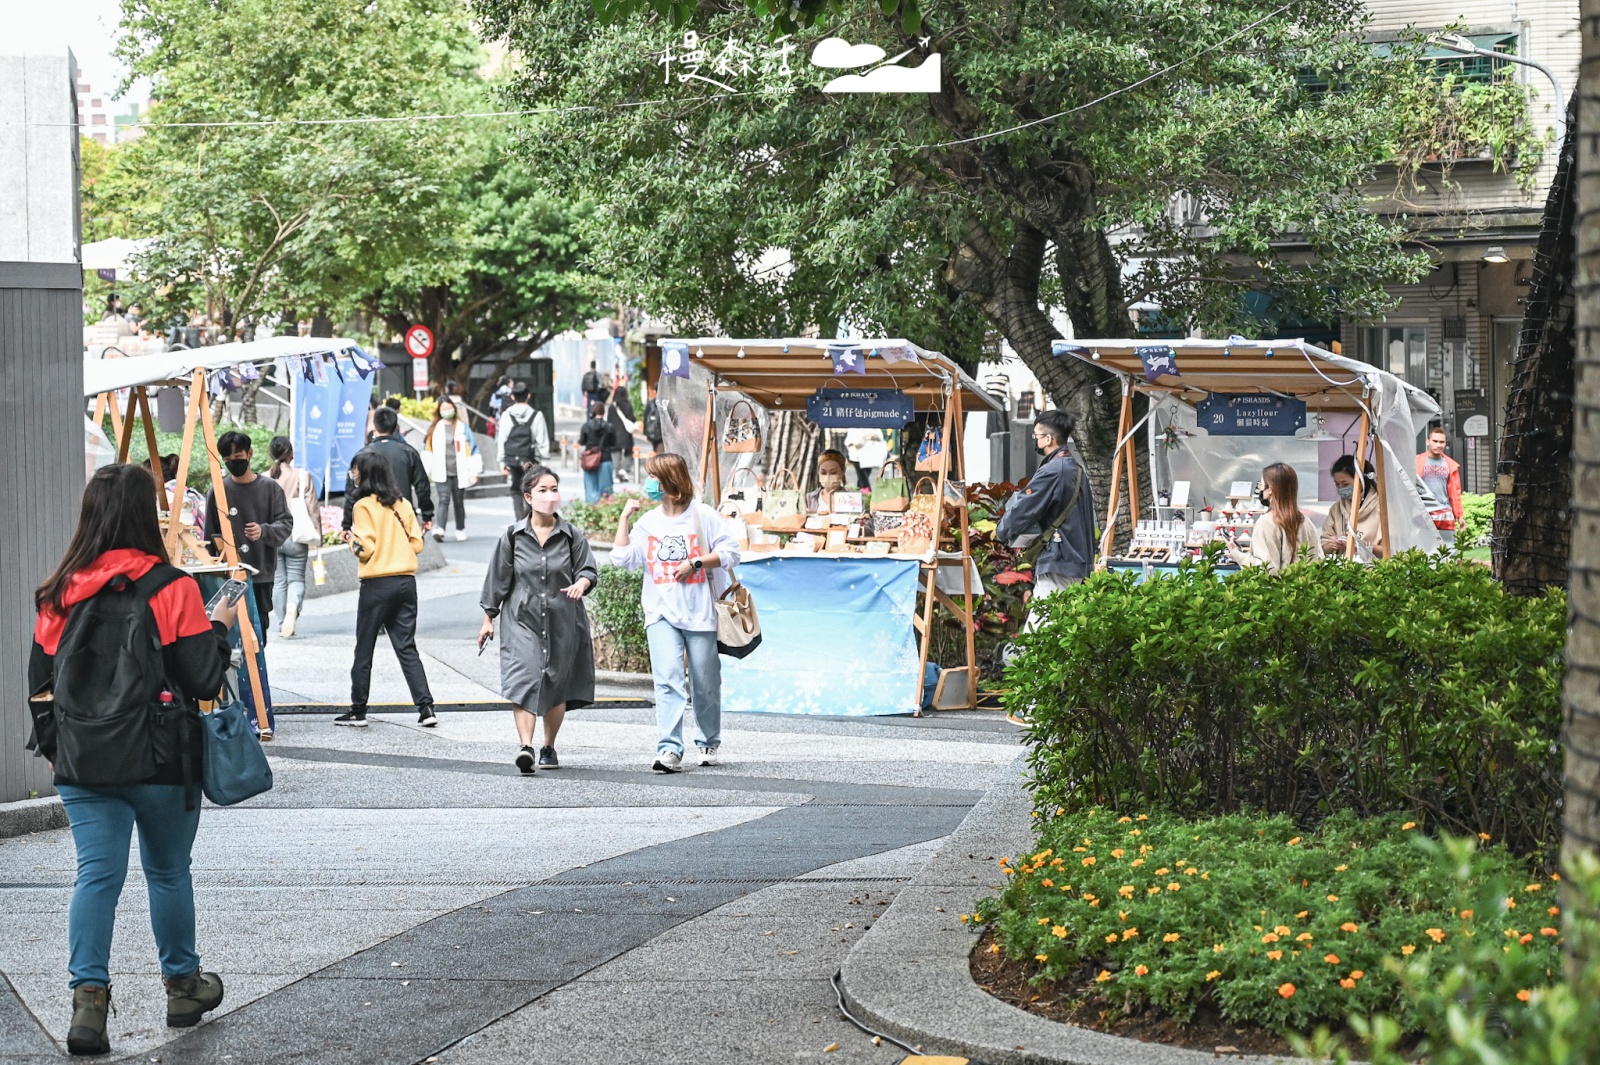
x=837, y=638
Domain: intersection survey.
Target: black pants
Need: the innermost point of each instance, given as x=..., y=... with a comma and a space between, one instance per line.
x=387, y=603
x=448, y=492
x=263, y=608
x=519, y=505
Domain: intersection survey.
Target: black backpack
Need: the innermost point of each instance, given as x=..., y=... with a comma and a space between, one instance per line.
x=591, y=383
x=652, y=422
x=116, y=721
x=517, y=448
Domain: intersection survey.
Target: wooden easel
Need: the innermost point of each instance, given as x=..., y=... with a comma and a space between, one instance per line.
x=198, y=414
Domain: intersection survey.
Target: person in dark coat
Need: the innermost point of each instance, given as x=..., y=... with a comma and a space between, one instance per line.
x=1057, y=503
x=540, y=571
x=410, y=475
x=623, y=422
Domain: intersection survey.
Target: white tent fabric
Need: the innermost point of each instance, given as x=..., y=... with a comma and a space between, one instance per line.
x=113, y=374
x=112, y=254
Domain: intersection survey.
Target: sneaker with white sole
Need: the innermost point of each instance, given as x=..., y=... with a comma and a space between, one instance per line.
x=548, y=759
x=426, y=717
x=438, y=536
x=668, y=762
x=461, y=536
x=525, y=761
x=286, y=627
x=353, y=719
x=708, y=755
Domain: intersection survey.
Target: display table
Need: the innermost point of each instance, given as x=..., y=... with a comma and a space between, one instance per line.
x=836, y=637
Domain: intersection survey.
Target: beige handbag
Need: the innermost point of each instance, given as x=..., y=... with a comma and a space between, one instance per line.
x=738, y=624
x=741, y=436
x=746, y=497
x=781, y=508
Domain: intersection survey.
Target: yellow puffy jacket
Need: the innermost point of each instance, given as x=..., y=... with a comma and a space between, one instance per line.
x=386, y=540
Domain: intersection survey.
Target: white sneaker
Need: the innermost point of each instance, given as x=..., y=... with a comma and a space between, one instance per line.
x=290, y=616
x=708, y=755
x=438, y=536
x=461, y=535
x=668, y=762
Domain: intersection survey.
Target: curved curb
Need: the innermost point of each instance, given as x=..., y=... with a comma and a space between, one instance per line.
x=31, y=815
x=909, y=976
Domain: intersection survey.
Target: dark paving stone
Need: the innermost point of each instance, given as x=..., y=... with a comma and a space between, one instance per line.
x=20, y=1033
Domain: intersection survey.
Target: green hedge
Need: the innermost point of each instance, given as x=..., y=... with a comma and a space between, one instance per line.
x=199, y=476
x=1413, y=686
x=618, y=620
x=1271, y=924
x=1477, y=511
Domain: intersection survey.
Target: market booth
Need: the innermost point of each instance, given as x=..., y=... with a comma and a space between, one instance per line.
x=1221, y=410
x=847, y=606
x=327, y=376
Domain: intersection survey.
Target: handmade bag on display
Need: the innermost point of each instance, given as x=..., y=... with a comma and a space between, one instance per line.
x=782, y=509
x=916, y=534
x=925, y=502
x=885, y=521
x=930, y=453
x=741, y=435
x=746, y=497
x=891, y=494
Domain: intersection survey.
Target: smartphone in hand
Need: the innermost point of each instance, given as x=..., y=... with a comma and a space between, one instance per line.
x=229, y=593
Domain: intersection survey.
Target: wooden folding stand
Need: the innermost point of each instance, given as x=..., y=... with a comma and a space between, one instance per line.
x=179, y=545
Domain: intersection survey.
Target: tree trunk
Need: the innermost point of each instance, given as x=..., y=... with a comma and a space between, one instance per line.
x=1582, y=689
x=1532, y=524
x=792, y=444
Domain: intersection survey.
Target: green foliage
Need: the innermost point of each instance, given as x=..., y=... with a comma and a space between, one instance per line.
x=1416, y=685
x=618, y=620
x=199, y=477
x=895, y=221
x=1477, y=511
x=1489, y=1006
x=1447, y=119
x=1172, y=913
x=418, y=409
x=597, y=520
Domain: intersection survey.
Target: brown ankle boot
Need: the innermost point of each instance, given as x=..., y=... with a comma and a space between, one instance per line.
x=90, y=1004
x=191, y=997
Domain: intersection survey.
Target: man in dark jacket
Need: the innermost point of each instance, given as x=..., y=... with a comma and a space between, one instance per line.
x=1058, y=504
x=403, y=459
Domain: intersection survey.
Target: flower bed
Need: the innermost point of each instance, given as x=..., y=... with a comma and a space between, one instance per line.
x=1268, y=924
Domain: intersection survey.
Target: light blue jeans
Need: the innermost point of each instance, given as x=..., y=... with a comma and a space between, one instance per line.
x=289, y=581
x=597, y=483
x=668, y=645
x=102, y=822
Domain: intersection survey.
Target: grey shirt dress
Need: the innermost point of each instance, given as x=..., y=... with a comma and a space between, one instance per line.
x=546, y=656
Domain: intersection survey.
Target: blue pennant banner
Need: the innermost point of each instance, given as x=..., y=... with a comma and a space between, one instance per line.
x=674, y=360
x=848, y=360
x=1159, y=361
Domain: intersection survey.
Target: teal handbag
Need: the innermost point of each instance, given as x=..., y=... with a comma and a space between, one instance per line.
x=233, y=766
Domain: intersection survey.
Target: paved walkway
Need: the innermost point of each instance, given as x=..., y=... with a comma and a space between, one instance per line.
x=402, y=895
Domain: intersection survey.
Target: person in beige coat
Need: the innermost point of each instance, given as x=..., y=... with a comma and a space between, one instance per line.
x=1283, y=535
x=1369, y=529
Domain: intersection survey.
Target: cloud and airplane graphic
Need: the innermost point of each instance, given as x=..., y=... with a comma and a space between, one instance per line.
x=836, y=53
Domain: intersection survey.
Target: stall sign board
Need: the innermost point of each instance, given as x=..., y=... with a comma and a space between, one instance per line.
x=419, y=342
x=1472, y=413
x=1250, y=414
x=860, y=408
x=419, y=375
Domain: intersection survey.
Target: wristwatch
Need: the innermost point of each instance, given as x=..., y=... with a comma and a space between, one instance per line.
x=698, y=563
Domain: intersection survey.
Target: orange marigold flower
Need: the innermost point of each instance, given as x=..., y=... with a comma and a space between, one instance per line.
x=1118, y=852
x=1270, y=937
x=1523, y=995
x=1554, y=911
x=1466, y=915
x=1408, y=826
x=1408, y=950
x=1089, y=860
x=1044, y=920
x=1112, y=938
x=1356, y=974
x=1548, y=932
x=1349, y=926
x=1104, y=975
x=1142, y=817
x=1340, y=868
x=1436, y=934
x=1126, y=891
x=1292, y=842
x=1047, y=882
x=1162, y=871
x=1077, y=850
x=1213, y=974
x=1218, y=949
x=1171, y=937
x=1347, y=984
x=1136, y=862
x=1286, y=990
x=1302, y=914
x=1525, y=938
x=1303, y=937
x=1041, y=957
x=1275, y=955
x=1511, y=903
x=1174, y=886
x=1484, y=836
x=1333, y=898
x=1331, y=959
x=1141, y=970
x=1533, y=887
x=1152, y=891
x=1130, y=933
x=1059, y=932
x=1283, y=929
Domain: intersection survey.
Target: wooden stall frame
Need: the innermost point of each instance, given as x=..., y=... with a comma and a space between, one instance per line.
x=198, y=415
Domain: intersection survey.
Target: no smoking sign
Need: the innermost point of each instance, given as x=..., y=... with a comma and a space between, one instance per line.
x=419, y=342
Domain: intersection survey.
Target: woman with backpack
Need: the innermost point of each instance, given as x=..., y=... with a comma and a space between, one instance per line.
x=122, y=739
x=289, y=580
x=540, y=571
x=386, y=539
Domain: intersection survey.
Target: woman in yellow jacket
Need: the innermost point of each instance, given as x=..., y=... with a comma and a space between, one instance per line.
x=386, y=538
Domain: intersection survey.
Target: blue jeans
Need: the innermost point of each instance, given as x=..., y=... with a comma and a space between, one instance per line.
x=668, y=644
x=102, y=822
x=289, y=582
x=597, y=483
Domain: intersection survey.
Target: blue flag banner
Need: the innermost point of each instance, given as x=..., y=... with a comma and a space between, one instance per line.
x=1250, y=414
x=859, y=408
x=1059, y=348
x=1159, y=360
x=836, y=638
x=848, y=360
x=674, y=360
x=330, y=419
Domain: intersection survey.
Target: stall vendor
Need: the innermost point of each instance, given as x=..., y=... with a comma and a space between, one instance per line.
x=1283, y=535
x=1369, y=529
x=830, y=475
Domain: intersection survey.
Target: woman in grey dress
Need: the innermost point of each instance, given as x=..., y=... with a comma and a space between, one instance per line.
x=538, y=576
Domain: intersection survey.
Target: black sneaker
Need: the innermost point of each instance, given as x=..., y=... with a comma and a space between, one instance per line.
x=355, y=719
x=548, y=759
x=525, y=761
x=426, y=717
